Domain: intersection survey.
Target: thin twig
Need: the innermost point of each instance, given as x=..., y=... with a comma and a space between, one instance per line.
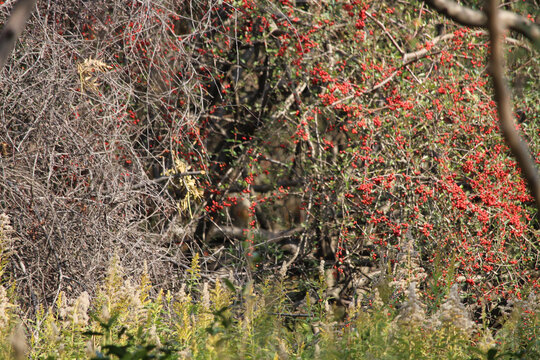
x=388, y=35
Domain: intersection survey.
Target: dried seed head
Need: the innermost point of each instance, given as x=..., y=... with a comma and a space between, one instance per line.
x=453, y=313
x=105, y=313
x=18, y=343
x=205, y=296
x=5, y=225
x=153, y=336
x=321, y=270
x=5, y=306
x=89, y=349
x=412, y=313
x=75, y=311
x=283, y=270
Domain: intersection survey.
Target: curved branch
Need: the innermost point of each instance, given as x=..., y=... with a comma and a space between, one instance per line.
x=504, y=105
x=470, y=17
x=14, y=27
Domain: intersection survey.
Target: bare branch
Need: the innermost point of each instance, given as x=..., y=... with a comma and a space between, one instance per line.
x=470, y=17
x=502, y=97
x=410, y=57
x=267, y=236
x=14, y=27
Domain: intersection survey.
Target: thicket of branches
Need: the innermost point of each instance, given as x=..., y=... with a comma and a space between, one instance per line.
x=88, y=110
x=131, y=127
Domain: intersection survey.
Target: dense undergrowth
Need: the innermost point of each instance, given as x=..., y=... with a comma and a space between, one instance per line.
x=129, y=319
x=384, y=215
x=126, y=319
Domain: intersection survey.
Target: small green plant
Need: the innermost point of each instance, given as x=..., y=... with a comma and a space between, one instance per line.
x=132, y=347
x=127, y=319
x=223, y=321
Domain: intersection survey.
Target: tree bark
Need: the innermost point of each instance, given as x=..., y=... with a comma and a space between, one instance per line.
x=14, y=27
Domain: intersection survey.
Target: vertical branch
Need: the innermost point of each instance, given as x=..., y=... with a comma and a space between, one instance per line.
x=519, y=148
x=14, y=27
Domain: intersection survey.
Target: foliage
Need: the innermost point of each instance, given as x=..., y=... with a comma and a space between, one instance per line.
x=360, y=138
x=222, y=322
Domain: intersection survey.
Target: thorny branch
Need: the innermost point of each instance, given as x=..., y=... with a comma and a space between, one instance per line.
x=497, y=22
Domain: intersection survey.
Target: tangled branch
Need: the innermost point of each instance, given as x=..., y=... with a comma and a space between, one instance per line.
x=497, y=22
